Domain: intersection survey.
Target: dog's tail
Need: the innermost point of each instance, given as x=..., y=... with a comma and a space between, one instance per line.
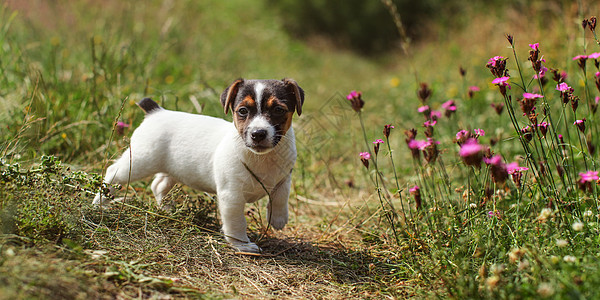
x=148, y=105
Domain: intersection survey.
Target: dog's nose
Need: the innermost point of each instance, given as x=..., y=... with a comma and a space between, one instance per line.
x=258, y=135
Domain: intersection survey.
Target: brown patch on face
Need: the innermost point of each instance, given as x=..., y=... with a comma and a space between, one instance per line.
x=240, y=120
x=281, y=121
x=288, y=122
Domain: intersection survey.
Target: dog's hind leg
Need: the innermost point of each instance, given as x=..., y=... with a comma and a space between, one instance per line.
x=127, y=168
x=161, y=185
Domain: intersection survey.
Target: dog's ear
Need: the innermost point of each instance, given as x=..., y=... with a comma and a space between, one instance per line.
x=297, y=91
x=229, y=94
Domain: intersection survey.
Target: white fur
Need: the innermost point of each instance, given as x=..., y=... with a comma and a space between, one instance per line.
x=208, y=154
x=258, y=90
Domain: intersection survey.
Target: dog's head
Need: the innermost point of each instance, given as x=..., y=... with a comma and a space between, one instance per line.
x=262, y=110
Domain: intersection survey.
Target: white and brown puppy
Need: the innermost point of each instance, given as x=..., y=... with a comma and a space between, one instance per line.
x=216, y=156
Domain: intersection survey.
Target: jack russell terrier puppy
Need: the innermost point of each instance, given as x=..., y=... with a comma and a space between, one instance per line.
x=241, y=161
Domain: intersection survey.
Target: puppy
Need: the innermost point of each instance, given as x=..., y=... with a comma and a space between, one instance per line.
x=241, y=161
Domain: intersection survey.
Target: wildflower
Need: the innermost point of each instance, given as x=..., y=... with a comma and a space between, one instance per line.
x=545, y=214
x=502, y=83
x=121, y=127
x=587, y=213
x=527, y=133
x=545, y=289
x=498, y=107
x=479, y=132
x=581, y=59
x=497, y=66
x=364, y=157
x=592, y=23
x=471, y=152
x=541, y=73
x=429, y=123
x=509, y=37
x=594, y=55
x=472, y=90
x=586, y=179
x=424, y=109
x=413, y=144
x=588, y=176
x=528, y=102
x=516, y=172
x=497, y=168
x=577, y=226
x=492, y=282
x=462, y=136
x=416, y=192
x=580, y=124
x=562, y=87
x=570, y=258
x=387, y=129
x=450, y=107
x=535, y=47
x=376, y=143
x=356, y=100
x=424, y=92
x=492, y=214
x=434, y=115
x=462, y=71
x=558, y=76
x=430, y=151
x=543, y=127
x=561, y=243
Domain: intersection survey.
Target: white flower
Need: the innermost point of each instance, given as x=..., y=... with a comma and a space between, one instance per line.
x=577, y=226
x=545, y=214
x=587, y=213
x=473, y=205
x=569, y=258
x=545, y=289
x=561, y=243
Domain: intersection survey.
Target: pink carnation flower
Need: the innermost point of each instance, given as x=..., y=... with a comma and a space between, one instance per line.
x=595, y=55
x=531, y=96
x=588, y=176
x=423, y=108
x=535, y=47
x=365, y=155
x=378, y=141
x=501, y=81
x=562, y=87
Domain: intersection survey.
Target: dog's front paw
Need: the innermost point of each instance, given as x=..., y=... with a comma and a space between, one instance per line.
x=248, y=247
x=278, y=221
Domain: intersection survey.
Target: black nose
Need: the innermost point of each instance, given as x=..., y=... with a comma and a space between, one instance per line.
x=258, y=135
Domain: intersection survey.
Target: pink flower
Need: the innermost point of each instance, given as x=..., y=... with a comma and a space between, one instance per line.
x=414, y=189
x=462, y=136
x=541, y=73
x=597, y=74
x=423, y=108
x=429, y=123
x=502, y=81
x=580, y=124
x=449, y=105
x=580, y=57
x=435, y=114
x=365, y=155
x=378, y=141
x=543, y=126
x=479, y=132
x=474, y=88
x=417, y=144
x=497, y=168
x=494, y=60
x=595, y=55
x=532, y=96
x=121, y=127
x=588, y=176
x=535, y=47
x=563, y=87
x=513, y=168
x=471, y=152
x=352, y=95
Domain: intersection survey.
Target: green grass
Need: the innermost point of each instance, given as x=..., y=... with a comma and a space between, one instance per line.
x=69, y=71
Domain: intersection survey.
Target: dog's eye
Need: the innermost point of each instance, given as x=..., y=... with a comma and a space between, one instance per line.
x=279, y=111
x=242, y=111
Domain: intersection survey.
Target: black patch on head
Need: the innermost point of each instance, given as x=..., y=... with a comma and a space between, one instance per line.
x=148, y=105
